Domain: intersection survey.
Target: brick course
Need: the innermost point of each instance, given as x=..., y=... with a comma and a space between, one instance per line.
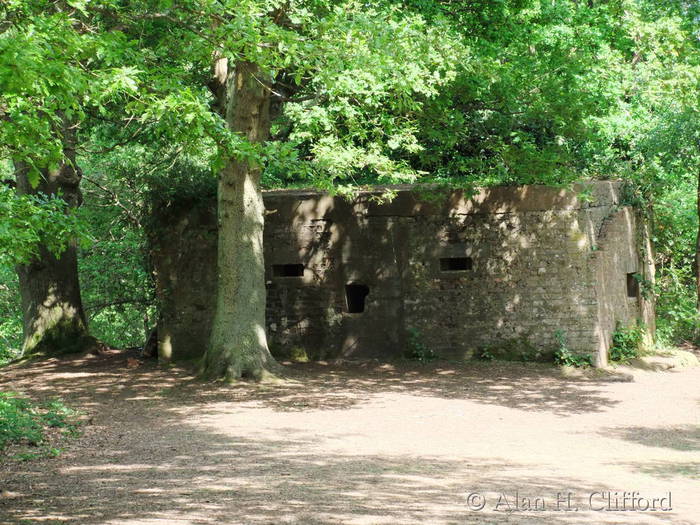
x=500, y=271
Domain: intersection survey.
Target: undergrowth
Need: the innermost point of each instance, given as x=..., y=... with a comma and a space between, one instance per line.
x=417, y=349
x=626, y=342
x=565, y=357
x=23, y=422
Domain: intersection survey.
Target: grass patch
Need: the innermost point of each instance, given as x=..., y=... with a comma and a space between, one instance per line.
x=32, y=425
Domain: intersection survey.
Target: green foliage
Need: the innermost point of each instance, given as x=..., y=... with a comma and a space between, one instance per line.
x=19, y=421
x=563, y=356
x=460, y=93
x=650, y=138
x=55, y=65
x=24, y=422
x=117, y=287
x=28, y=221
x=10, y=316
x=675, y=229
x=57, y=414
x=626, y=342
x=523, y=109
x=116, y=281
x=298, y=355
x=486, y=353
x=417, y=350
x=677, y=315
x=360, y=124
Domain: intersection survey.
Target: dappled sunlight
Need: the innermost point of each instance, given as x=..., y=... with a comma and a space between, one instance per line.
x=356, y=443
x=324, y=386
x=535, y=387
x=668, y=469
x=684, y=437
x=524, y=283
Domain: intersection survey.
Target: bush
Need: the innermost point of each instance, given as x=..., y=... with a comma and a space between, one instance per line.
x=677, y=316
x=675, y=228
x=626, y=342
x=417, y=350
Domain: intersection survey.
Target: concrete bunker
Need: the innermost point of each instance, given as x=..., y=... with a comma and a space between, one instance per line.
x=505, y=267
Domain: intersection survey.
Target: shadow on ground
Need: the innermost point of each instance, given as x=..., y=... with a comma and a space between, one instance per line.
x=213, y=478
x=144, y=461
x=667, y=469
x=313, y=386
x=682, y=437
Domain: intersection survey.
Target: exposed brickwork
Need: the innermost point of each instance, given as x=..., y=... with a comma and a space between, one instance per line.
x=518, y=264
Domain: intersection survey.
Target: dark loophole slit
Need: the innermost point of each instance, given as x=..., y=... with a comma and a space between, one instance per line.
x=632, y=285
x=288, y=270
x=355, y=295
x=455, y=264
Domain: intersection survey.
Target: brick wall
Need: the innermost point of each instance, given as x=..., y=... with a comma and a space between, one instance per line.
x=501, y=271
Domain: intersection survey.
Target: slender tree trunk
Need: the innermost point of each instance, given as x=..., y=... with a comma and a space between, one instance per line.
x=238, y=345
x=54, y=319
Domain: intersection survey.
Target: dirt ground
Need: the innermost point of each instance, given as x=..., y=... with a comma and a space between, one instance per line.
x=361, y=444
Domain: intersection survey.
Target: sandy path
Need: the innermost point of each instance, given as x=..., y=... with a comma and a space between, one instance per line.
x=361, y=445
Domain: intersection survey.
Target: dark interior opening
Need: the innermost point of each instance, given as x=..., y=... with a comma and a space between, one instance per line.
x=288, y=270
x=632, y=285
x=455, y=264
x=355, y=295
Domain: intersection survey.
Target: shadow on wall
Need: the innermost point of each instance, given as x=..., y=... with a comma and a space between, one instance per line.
x=499, y=273
x=348, y=301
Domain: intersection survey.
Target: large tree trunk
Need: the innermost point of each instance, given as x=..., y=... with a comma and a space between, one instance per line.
x=54, y=320
x=238, y=345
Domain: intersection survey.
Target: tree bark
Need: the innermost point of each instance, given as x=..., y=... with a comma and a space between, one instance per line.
x=238, y=345
x=54, y=319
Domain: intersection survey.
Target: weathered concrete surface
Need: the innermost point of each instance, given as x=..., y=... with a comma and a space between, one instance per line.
x=501, y=271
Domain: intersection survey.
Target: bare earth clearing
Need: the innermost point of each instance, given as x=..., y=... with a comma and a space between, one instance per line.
x=372, y=444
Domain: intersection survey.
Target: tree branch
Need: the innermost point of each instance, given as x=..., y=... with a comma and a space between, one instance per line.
x=102, y=306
